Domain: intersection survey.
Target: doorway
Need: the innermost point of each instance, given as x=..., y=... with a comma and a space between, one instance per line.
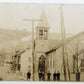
x=41, y=64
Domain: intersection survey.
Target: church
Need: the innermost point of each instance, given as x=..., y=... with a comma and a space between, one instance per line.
x=43, y=44
x=48, y=54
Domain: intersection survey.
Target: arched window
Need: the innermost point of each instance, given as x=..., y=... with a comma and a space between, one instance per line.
x=42, y=58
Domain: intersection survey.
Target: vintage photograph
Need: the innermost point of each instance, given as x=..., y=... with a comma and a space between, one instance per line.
x=41, y=42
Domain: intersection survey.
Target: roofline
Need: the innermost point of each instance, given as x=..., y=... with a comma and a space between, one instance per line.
x=40, y=52
x=21, y=52
x=66, y=41
x=50, y=51
x=43, y=27
x=78, y=53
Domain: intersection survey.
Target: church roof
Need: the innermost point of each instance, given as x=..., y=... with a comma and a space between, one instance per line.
x=44, y=21
x=42, y=46
x=45, y=46
x=79, y=36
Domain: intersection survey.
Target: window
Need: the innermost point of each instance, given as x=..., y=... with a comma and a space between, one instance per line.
x=19, y=57
x=15, y=55
x=40, y=34
x=45, y=34
x=19, y=67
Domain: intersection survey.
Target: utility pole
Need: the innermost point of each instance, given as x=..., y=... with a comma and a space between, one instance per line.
x=63, y=47
x=83, y=55
x=32, y=20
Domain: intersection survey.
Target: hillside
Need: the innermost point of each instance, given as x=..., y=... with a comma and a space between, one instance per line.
x=10, y=35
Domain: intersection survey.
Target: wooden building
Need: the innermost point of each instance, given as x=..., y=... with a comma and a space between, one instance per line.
x=22, y=62
x=49, y=53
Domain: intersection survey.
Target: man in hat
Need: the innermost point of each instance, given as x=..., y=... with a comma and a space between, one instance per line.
x=43, y=76
x=54, y=76
x=40, y=76
x=28, y=75
x=78, y=75
x=48, y=75
x=58, y=76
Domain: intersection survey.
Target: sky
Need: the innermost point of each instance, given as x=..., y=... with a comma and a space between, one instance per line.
x=12, y=16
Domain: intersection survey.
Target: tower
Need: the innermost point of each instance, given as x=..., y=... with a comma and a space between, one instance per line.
x=42, y=28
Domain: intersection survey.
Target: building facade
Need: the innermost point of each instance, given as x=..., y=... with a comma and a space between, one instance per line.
x=49, y=53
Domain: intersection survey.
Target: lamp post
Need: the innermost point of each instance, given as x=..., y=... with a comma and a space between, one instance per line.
x=32, y=20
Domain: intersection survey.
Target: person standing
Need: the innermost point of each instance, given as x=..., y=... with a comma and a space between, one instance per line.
x=43, y=76
x=78, y=75
x=58, y=76
x=40, y=76
x=48, y=76
x=54, y=76
x=28, y=75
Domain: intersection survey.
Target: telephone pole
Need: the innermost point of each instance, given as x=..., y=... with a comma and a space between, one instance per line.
x=64, y=48
x=32, y=20
x=63, y=39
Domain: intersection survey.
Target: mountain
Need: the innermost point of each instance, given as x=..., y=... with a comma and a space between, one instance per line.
x=10, y=35
x=10, y=38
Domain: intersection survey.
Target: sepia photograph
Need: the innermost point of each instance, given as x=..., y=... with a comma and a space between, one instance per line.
x=41, y=42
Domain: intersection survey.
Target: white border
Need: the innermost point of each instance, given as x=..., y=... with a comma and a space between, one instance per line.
x=44, y=1
x=41, y=82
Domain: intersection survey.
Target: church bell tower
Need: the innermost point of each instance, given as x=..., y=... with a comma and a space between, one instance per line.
x=42, y=28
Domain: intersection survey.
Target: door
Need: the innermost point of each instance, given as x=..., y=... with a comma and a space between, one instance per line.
x=42, y=64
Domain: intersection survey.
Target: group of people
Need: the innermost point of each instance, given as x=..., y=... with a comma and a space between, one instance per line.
x=56, y=76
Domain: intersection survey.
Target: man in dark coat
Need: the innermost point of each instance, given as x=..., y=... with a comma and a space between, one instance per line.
x=48, y=76
x=58, y=76
x=28, y=75
x=78, y=75
x=40, y=76
x=54, y=76
x=43, y=76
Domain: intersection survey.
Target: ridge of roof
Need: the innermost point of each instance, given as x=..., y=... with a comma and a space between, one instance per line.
x=66, y=41
x=22, y=51
x=45, y=45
